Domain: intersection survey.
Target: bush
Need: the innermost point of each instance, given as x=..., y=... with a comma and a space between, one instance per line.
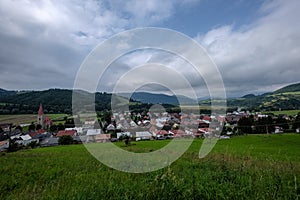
x=33, y=144
x=65, y=139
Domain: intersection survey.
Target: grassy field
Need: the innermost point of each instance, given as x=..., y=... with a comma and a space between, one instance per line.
x=26, y=118
x=245, y=167
x=287, y=112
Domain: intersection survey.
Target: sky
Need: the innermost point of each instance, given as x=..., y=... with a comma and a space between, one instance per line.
x=254, y=44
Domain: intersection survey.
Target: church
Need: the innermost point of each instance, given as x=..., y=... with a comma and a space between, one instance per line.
x=43, y=120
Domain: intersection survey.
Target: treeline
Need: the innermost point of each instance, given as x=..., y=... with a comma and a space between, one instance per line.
x=59, y=101
x=250, y=125
x=6, y=108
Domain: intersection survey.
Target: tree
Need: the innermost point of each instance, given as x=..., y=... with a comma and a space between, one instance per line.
x=245, y=125
x=69, y=123
x=19, y=127
x=296, y=123
x=65, y=140
x=60, y=127
x=38, y=127
x=53, y=128
x=127, y=140
x=282, y=122
x=264, y=125
x=13, y=146
x=31, y=127
x=33, y=144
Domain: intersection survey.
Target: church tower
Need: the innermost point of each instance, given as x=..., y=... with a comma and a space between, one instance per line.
x=40, y=119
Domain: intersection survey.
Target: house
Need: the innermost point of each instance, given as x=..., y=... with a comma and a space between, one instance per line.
x=278, y=129
x=143, y=135
x=91, y=134
x=4, y=136
x=6, y=127
x=66, y=132
x=4, y=145
x=47, y=142
x=177, y=133
x=110, y=127
x=26, y=140
x=102, y=138
x=79, y=130
x=133, y=124
x=15, y=134
x=161, y=133
x=123, y=134
x=39, y=136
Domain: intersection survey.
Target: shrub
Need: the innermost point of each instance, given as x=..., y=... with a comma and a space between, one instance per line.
x=65, y=139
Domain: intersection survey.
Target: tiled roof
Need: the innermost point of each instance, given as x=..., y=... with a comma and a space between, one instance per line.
x=68, y=132
x=41, y=111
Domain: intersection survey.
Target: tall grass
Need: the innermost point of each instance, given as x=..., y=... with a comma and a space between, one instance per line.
x=249, y=167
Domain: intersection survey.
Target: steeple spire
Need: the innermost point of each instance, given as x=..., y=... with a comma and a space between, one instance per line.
x=41, y=111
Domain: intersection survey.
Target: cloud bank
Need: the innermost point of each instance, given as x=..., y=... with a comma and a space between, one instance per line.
x=261, y=56
x=44, y=42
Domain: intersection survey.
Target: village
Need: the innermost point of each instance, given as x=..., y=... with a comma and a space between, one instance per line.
x=127, y=126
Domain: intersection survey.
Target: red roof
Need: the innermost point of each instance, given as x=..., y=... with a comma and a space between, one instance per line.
x=178, y=132
x=67, y=132
x=161, y=132
x=207, y=118
x=41, y=111
x=48, y=121
x=38, y=132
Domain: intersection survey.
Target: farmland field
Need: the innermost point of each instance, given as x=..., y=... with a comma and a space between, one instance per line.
x=287, y=112
x=26, y=118
x=244, y=167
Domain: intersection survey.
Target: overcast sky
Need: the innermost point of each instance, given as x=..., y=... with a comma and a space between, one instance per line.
x=254, y=44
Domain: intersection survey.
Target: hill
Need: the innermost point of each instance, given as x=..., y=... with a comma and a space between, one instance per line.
x=6, y=92
x=53, y=100
x=286, y=98
x=289, y=88
x=60, y=100
x=152, y=98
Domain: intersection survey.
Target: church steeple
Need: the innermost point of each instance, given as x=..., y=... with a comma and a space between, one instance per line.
x=40, y=119
x=41, y=110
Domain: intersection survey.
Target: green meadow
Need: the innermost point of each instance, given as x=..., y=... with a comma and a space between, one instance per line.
x=284, y=112
x=27, y=118
x=243, y=167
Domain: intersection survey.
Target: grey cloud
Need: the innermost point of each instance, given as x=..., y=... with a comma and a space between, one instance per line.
x=46, y=41
x=261, y=57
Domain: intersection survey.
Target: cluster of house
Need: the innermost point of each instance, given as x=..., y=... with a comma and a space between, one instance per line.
x=129, y=125
x=162, y=125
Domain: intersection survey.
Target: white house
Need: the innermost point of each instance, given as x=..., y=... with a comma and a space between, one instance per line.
x=91, y=133
x=143, y=135
x=79, y=130
x=123, y=133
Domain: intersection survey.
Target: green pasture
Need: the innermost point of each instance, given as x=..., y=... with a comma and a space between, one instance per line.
x=27, y=118
x=244, y=167
x=286, y=112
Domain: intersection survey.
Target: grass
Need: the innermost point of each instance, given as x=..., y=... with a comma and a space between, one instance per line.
x=286, y=112
x=245, y=167
x=26, y=118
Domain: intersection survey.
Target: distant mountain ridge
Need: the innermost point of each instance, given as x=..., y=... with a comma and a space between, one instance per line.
x=60, y=100
x=286, y=98
x=53, y=100
x=6, y=92
x=290, y=88
x=152, y=98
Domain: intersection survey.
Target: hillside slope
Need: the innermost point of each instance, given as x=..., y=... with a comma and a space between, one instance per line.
x=286, y=98
x=53, y=100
